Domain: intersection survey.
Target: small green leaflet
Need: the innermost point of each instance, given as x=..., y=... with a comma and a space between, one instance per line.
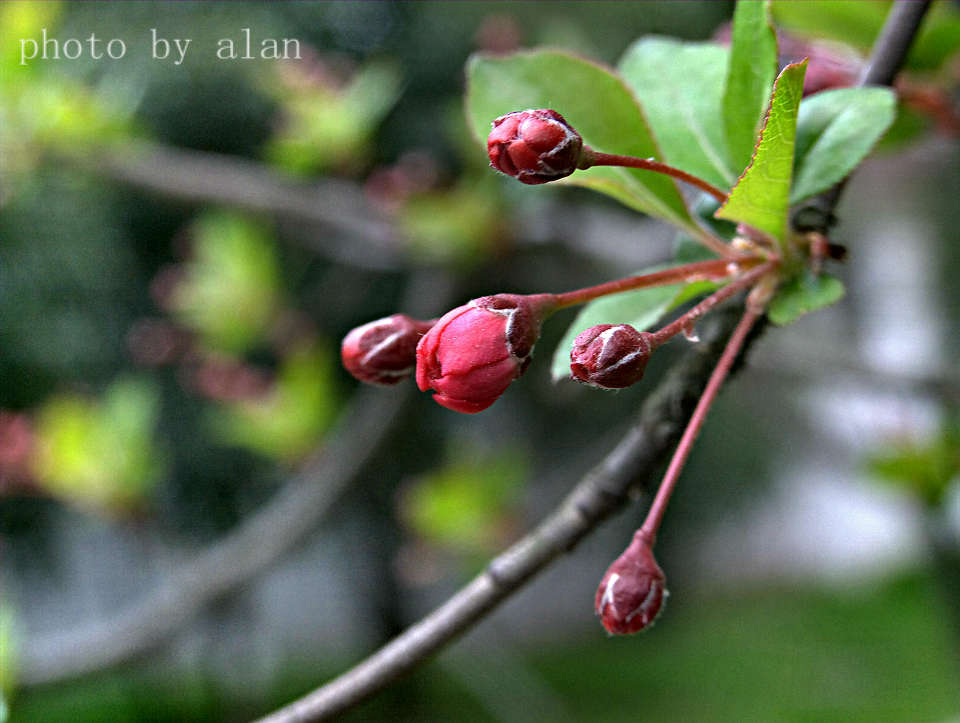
x=680, y=85
x=640, y=308
x=578, y=89
x=836, y=129
x=805, y=293
x=761, y=197
x=753, y=66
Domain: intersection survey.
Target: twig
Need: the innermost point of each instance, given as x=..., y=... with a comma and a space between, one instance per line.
x=595, y=498
x=204, y=177
x=730, y=353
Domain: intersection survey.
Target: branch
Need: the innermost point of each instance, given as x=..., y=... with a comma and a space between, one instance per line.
x=604, y=490
x=199, y=176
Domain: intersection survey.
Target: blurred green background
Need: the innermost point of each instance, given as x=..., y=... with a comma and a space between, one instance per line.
x=183, y=246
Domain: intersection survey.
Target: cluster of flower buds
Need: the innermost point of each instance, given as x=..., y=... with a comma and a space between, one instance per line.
x=470, y=355
x=632, y=592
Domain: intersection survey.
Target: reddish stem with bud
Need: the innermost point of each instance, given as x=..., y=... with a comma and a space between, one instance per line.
x=590, y=157
x=715, y=269
x=686, y=321
x=730, y=352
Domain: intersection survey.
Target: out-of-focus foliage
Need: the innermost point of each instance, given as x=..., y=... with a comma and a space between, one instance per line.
x=100, y=454
x=458, y=225
x=286, y=421
x=926, y=468
x=230, y=287
x=461, y=223
x=466, y=505
x=8, y=662
x=867, y=658
x=328, y=122
x=40, y=109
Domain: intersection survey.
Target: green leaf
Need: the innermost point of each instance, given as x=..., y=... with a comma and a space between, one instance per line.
x=761, y=197
x=835, y=131
x=805, y=293
x=680, y=86
x=640, y=308
x=753, y=66
x=595, y=102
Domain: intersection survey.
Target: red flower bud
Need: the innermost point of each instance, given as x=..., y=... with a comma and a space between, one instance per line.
x=383, y=351
x=534, y=146
x=610, y=356
x=474, y=351
x=632, y=593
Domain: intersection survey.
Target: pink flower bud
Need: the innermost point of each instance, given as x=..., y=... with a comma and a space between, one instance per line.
x=534, y=146
x=474, y=351
x=610, y=356
x=383, y=351
x=632, y=593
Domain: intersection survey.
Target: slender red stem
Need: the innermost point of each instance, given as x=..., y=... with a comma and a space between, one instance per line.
x=591, y=157
x=659, y=506
x=701, y=270
x=687, y=320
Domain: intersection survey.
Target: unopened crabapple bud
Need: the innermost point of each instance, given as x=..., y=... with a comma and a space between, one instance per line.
x=534, y=146
x=473, y=352
x=383, y=351
x=633, y=591
x=610, y=356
